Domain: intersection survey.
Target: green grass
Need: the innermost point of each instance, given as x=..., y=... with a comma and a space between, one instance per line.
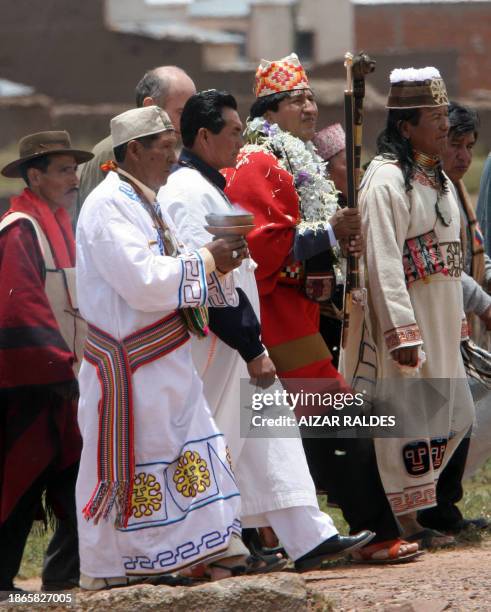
x=32, y=560
x=477, y=494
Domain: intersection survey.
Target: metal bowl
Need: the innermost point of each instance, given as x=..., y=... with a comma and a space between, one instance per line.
x=229, y=230
x=232, y=219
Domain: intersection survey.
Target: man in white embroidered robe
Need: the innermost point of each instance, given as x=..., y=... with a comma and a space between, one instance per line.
x=415, y=312
x=185, y=505
x=272, y=473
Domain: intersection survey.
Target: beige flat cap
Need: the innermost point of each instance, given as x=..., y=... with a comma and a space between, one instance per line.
x=139, y=122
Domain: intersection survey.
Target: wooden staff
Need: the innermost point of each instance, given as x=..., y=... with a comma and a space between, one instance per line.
x=357, y=67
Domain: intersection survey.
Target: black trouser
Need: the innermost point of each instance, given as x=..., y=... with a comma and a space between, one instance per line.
x=330, y=330
x=346, y=468
x=61, y=564
x=445, y=515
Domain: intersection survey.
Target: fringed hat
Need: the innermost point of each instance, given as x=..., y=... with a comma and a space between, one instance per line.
x=330, y=141
x=416, y=88
x=286, y=74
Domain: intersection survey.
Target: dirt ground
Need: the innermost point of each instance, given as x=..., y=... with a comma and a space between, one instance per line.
x=457, y=579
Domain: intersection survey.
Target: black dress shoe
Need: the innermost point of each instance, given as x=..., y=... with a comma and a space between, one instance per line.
x=333, y=547
x=251, y=539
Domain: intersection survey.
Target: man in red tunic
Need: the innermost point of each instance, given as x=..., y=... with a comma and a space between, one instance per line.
x=39, y=439
x=299, y=238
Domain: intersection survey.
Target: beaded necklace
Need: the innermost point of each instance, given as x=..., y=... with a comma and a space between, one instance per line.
x=430, y=166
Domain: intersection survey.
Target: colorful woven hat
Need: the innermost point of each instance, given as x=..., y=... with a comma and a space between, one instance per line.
x=416, y=88
x=330, y=141
x=286, y=74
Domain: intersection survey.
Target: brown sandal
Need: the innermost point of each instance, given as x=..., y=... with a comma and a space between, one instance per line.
x=393, y=547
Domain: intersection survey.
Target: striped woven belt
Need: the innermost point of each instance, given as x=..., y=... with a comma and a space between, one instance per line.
x=116, y=361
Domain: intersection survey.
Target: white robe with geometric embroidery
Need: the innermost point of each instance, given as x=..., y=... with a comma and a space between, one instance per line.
x=427, y=313
x=184, y=510
x=272, y=473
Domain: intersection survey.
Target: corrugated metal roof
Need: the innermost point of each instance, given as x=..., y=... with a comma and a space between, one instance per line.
x=178, y=31
x=219, y=8
x=228, y=8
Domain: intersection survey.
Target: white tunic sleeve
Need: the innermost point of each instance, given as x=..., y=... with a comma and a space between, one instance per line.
x=385, y=219
x=188, y=210
x=122, y=254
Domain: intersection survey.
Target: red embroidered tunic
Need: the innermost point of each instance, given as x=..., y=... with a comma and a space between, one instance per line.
x=261, y=186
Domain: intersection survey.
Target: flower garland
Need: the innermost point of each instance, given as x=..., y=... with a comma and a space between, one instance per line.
x=317, y=195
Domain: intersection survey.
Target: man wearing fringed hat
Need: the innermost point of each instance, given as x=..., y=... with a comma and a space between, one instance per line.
x=280, y=178
x=41, y=348
x=415, y=315
x=155, y=492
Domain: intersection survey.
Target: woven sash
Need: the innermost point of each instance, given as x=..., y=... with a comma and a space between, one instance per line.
x=116, y=361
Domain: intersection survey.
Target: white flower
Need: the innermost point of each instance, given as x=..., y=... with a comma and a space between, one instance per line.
x=317, y=194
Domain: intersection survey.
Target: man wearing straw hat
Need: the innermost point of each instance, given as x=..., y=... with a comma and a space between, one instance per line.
x=155, y=492
x=39, y=332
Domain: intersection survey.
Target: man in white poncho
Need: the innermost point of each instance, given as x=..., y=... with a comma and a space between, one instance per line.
x=415, y=311
x=155, y=491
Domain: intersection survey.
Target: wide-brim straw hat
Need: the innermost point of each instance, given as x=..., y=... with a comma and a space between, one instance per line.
x=40, y=144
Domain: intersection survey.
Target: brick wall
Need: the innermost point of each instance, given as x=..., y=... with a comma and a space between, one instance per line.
x=459, y=27
x=63, y=49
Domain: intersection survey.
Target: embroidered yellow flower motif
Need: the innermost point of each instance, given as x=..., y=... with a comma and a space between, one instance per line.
x=147, y=496
x=438, y=91
x=191, y=475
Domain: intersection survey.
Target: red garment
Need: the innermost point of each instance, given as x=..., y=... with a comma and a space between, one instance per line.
x=38, y=432
x=56, y=225
x=268, y=191
x=38, y=428
x=32, y=350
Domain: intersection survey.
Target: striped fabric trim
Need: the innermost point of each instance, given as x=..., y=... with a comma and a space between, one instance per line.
x=156, y=340
x=115, y=362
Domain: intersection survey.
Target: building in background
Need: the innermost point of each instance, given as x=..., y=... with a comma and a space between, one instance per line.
x=462, y=27
x=319, y=30
x=83, y=59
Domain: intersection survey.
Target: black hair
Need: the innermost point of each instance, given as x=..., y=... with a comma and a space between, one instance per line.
x=392, y=144
x=462, y=120
x=146, y=141
x=204, y=110
x=40, y=163
x=152, y=86
x=267, y=103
